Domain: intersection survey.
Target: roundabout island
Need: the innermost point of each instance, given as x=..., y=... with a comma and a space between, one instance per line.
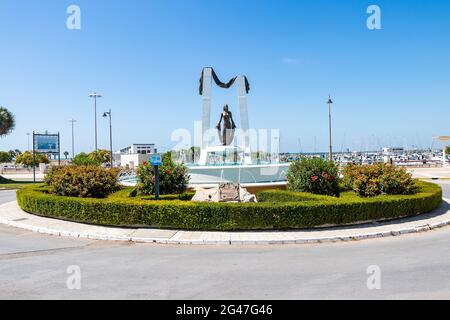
x=276, y=211
x=94, y=226
x=322, y=202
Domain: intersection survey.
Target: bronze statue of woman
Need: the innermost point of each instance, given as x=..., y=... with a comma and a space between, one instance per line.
x=227, y=134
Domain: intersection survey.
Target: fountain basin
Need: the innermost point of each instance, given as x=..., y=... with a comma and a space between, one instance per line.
x=246, y=175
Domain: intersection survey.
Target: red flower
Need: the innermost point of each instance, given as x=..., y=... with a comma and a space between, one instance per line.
x=169, y=172
x=145, y=163
x=314, y=178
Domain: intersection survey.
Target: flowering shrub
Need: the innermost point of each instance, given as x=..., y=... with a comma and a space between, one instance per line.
x=316, y=175
x=82, y=181
x=173, y=178
x=378, y=179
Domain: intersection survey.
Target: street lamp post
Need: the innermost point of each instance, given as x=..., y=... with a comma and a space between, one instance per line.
x=330, y=102
x=72, y=121
x=108, y=114
x=95, y=95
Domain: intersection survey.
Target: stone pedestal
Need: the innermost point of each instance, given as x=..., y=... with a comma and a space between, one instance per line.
x=227, y=192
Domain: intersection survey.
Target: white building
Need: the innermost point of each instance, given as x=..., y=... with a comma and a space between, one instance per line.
x=139, y=149
x=136, y=154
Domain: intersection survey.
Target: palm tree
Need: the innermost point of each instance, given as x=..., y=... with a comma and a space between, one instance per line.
x=7, y=122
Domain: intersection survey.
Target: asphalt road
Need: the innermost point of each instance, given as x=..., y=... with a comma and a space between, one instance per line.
x=34, y=266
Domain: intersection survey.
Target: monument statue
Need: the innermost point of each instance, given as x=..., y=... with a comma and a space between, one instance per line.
x=227, y=134
x=226, y=130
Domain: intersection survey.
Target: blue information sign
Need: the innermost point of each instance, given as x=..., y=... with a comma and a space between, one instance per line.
x=46, y=143
x=155, y=160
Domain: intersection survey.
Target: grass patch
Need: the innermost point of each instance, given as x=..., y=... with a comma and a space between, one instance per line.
x=8, y=184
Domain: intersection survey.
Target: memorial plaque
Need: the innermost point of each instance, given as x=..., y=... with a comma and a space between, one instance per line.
x=229, y=192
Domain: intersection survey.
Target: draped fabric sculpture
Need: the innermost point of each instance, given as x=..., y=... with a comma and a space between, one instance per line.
x=220, y=83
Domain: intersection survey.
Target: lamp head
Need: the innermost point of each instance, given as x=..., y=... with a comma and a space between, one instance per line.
x=329, y=100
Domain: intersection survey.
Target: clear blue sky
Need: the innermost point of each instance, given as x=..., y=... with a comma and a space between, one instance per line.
x=390, y=86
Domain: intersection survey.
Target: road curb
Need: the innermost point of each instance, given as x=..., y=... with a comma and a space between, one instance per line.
x=11, y=215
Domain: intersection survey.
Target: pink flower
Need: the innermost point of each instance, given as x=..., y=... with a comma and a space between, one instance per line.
x=314, y=178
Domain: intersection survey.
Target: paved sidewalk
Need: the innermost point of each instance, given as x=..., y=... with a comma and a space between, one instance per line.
x=12, y=215
x=430, y=173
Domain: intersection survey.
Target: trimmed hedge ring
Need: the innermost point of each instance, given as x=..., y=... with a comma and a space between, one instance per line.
x=293, y=211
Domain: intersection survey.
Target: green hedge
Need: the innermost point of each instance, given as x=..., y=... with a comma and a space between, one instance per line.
x=277, y=210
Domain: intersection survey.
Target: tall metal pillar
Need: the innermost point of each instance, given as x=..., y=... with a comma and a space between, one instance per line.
x=206, y=96
x=206, y=115
x=245, y=125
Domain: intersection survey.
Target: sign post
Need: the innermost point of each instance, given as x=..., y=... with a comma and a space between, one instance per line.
x=156, y=162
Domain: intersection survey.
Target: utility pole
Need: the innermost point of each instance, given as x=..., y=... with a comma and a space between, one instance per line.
x=72, y=121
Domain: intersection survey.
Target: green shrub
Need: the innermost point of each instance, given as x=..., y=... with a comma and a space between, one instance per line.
x=186, y=196
x=289, y=211
x=314, y=175
x=82, y=181
x=378, y=179
x=173, y=178
x=26, y=159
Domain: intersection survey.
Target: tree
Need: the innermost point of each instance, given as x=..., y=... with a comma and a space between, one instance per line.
x=5, y=157
x=7, y=122
x=95, y=158
x=66, y=154
x=15, y=153
x=447, y=150
x=26, y=159
x=100, y=156
x=82, y=159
